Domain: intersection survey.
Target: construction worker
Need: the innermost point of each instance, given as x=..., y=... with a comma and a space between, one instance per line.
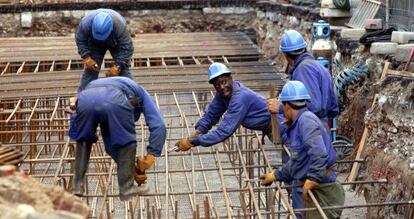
x=239, y=104
x=99, y=31
x=115, y=103
x=311, y=73
x=312, y=155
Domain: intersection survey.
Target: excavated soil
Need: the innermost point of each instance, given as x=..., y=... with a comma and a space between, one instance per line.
x=390, y=147
x=25, y=196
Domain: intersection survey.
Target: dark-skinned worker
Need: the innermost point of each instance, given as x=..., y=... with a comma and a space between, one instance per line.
x=311, y=73
x=115, y=104
x=99, y=31
x=310, y=166
x=239, y=104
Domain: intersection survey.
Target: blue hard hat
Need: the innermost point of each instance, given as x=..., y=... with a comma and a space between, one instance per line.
x=102, y=26
x=292, y=40
x=216, y=69
x=294, y=91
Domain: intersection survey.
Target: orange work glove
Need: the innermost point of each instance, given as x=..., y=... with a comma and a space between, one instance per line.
x=114, y=71
x=184, y=144
x=145, y=162
x=267, y=179
x=91, y=64
x=140, y=179
x=308, y=185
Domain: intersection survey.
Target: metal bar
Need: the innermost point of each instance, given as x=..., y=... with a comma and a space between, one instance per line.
x=14, y=111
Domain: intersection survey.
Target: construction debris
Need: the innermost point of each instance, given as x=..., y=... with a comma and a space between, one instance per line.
x=21, y=196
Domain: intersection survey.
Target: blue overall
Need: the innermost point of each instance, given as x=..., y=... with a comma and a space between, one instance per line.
x=245, y=107
x=318, y=82
x=107, y=102
x=312, y=155
x=119, y=44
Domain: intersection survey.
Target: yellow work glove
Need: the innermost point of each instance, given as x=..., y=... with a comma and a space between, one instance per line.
x=146, y=162
x=114, y=71
x=267, y=179
x=308, y=185
x=91, y=64
x=184, y=144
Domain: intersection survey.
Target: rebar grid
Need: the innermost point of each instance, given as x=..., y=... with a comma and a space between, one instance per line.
x=214, y=182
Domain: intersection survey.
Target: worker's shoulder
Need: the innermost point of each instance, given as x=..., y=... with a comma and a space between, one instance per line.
x=308, y=117
x=241, y=90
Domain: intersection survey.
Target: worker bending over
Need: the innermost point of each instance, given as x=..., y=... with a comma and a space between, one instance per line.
x=310, y=166
x=311, y=73
x=115, y=103
x=239, y=104
x=99, y=31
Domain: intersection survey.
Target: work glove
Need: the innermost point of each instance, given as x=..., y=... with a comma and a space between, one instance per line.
x=114, y=71
x=267, y=179
x=91, y=64
x=308, y=185
x=183, y=144
x=140, y=178
x=146, y=162
x=272, y=105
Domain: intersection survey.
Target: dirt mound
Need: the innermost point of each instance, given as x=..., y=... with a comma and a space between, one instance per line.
x=25, y=197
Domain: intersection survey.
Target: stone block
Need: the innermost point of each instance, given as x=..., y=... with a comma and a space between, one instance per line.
x=331, y=12
x=373, y=24
x=383, y=48
x=402, y=37
x=402, y=52
x=26, y=19
x=352, y=34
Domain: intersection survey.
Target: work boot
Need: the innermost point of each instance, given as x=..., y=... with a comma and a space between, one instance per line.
x=83, y=150
x=126, y=170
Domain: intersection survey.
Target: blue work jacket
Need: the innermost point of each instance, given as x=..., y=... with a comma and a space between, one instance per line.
x=119, y=39
x=245, y=107
x=146, y=105
x=311, y=151
x=318, y=82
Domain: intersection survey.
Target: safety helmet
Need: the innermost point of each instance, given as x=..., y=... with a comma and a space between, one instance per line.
x=294, y=91
x=102, y=26
x=292, y=40
x=216, y=69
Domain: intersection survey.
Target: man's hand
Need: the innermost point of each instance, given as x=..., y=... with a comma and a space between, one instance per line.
x=272, y=105
x=267, y=179
x=184, y=144
x=114, y=71
x=146, y=162
x=91, y=64
x=308, y=185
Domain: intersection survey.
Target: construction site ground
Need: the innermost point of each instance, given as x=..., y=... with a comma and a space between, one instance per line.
x=173, y=49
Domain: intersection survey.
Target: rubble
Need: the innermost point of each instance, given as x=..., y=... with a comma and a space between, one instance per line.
x=25, y=197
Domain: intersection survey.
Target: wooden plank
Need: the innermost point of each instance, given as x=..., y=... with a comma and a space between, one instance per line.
x=385, y=70
x=401, y=73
